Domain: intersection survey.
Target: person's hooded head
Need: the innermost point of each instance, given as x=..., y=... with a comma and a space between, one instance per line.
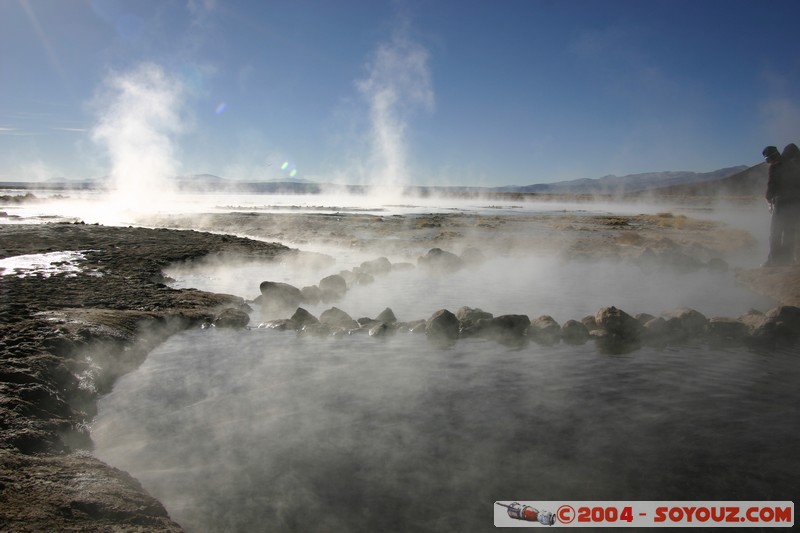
x=771, y=154
x=790, y=151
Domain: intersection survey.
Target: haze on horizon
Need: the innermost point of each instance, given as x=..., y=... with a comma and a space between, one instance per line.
x=422, y=93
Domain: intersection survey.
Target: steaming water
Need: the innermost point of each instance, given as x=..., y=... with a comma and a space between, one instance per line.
x=264, y=430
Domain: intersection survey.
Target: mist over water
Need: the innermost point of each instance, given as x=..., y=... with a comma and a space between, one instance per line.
x=235, y=431
x=530, y=285
x=260, y=429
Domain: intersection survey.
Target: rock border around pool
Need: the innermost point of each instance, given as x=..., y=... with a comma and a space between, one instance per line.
x=611, y=328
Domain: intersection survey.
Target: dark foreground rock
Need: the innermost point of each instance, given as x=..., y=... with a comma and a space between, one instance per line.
x=65, y=339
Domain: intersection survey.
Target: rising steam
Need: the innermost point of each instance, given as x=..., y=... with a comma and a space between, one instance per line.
x=139, y=116
x=398, y=84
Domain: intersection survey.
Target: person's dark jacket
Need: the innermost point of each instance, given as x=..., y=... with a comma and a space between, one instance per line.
x=783, y=185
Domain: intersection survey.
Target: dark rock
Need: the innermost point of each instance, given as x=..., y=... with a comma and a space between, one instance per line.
x=508, y=329
x=376, y=267
x=618, y=323
x=333, y=288
x=440, y=261
x=387, y=315
x=468, y=316
x=303, y=318
x=232, y=318
x=780, y=325
x=349, y=276
x=279, y=297
x=589, y=322
x=442, y=326
x=726, y=329
x=381, y=330
x=684, y=323
x=311, y=295
x=574, y=332
x=655, y=330
x=545, y=330
x=718, y=265
x=336, y=318
x=365, y=279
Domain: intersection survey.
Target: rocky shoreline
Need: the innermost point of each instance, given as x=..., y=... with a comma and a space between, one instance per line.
x=65, y=339
x=68, y=336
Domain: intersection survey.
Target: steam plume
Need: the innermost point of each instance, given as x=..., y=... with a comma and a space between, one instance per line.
x=398, y=83
x=140, y=114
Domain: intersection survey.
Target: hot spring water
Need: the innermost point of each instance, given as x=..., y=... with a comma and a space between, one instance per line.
x=265, y=430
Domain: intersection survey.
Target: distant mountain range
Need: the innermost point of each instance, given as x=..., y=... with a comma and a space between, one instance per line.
x=631, y=183
x=731, y=181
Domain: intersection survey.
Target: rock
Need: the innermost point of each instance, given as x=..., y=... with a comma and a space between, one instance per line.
x=349, y=276
x=303, y=318
x=311, y=295
x=402, y=267
x=279, y=297
x=726, y=329
x=655, y=330
x=381, y=330
x=336, y=318
x=679, y=260
x=644, y=318
x=442, y=262
x=574, y=332
x=781, y=325
x=787, y=315
x=281, y=324
x=376, y=267
x=545, y=330
x=718, y=265
x=318, y=330
x=387, y=315
x=442, y=326
x=417, y=326
x=333, y=288
x=618, y=323
x=507, y=329
x=685, y=323
x=232, y=318
x=589, y=322
x=753, y=320
x=365, y=279
x=468, y=316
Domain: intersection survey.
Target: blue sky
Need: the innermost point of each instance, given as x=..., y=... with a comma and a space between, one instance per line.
x=427, y=92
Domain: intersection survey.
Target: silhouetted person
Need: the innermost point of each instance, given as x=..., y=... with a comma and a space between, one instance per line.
x=792, y=153
x=783, y=197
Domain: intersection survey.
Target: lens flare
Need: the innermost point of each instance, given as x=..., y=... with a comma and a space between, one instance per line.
x=285, y=165
x=293, y=173
x=221, y=108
